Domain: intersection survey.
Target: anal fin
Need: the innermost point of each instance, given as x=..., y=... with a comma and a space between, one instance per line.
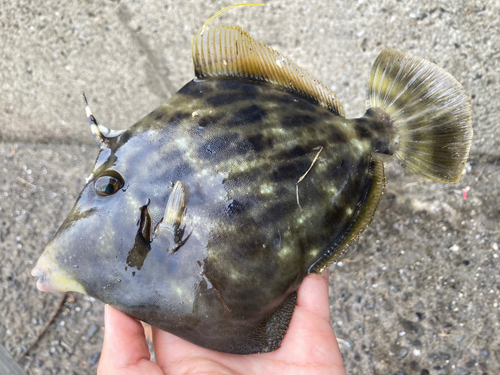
x=361, y=220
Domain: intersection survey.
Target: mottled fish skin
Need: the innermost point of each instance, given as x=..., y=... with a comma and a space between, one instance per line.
x=205, y=216
x=239, y=149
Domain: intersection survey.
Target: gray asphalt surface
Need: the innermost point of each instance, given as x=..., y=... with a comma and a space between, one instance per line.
x=418, y=293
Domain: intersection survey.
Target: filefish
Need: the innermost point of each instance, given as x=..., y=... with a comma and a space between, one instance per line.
x=204, y=217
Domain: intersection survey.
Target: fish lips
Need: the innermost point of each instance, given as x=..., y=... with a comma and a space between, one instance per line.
x=52, y=278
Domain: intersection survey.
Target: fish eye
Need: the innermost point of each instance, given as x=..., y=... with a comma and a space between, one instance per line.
x=108, y=184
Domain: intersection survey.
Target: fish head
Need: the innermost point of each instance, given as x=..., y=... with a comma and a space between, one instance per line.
x=109, y=220
x=167, y=230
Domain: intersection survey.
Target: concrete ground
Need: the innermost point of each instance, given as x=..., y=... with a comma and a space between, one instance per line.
x=418, y=293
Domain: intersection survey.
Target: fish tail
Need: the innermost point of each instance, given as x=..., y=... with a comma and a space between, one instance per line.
x=430, y=111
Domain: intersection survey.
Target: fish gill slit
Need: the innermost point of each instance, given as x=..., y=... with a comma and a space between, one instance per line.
x=304, y=176
x=213, y=286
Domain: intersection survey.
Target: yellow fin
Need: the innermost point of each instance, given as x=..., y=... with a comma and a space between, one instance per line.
x=430, y=111
x=228, y=51
x=361, y=220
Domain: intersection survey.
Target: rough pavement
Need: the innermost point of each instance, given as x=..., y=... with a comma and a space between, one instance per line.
x=418, y=293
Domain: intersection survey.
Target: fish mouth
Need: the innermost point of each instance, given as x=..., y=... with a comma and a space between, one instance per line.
x=52, y=279
x=43, y=273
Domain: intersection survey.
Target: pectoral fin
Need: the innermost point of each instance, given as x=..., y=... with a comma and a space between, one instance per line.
x=176, y=224
x=175, y=207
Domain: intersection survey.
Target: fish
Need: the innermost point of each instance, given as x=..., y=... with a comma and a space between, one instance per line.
x=204, y=217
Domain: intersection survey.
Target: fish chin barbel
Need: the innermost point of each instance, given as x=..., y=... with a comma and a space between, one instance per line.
x=204, y=217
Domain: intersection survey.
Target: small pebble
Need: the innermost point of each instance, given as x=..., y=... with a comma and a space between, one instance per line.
x=443, y=355
x=91, y=332
x=471, y=363
x=94, y=358
x=432, y=356
x=414, y=365
x=68, y=348
x=403, y=352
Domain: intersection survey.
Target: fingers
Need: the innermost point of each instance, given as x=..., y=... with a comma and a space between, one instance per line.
x=182, y=357
x=125, y=350
x=167, y=347
x=311, y=338
x=313, y=295
x=170, y=349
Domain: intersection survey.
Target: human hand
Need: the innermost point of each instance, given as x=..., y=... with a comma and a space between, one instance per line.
x=309, y=347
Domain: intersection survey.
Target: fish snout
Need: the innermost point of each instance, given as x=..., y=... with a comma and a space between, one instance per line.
x=43, y=273
x=51, y=278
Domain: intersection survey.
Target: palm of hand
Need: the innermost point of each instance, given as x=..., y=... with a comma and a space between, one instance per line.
x=309, y=346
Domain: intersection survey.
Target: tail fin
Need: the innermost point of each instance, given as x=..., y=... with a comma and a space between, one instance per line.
x=430, y=111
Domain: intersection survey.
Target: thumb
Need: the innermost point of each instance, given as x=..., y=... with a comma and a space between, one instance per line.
x=125, y=350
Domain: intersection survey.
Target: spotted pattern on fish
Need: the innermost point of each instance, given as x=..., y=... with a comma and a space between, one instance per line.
x=264, y=156
x=229, y=194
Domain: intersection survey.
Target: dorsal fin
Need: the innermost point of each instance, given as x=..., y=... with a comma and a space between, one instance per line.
x=228, y=51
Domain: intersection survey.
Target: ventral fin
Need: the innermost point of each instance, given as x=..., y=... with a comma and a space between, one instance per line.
x=176, y=225
x=228, y=51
